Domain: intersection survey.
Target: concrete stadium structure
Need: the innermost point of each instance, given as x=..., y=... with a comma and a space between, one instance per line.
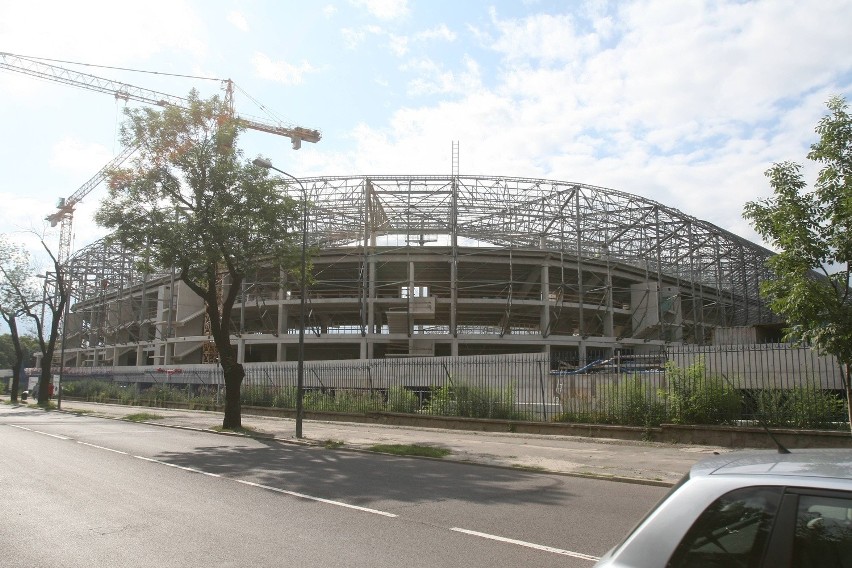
x=443, y=265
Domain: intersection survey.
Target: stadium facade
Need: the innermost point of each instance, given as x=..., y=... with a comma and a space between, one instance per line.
x=443, y=265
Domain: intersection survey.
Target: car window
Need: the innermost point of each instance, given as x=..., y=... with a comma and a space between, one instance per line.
x=731, y=532
x=823, y=532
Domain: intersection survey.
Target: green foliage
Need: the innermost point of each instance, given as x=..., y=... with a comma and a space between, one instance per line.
x=402, y=400
x=7, y=350
x=799, y=407
x=632, y=402
x=344, y=401
x=696, y=398
x=411, y=450
x=464, y=400
x=812, y=231
x=143, y=417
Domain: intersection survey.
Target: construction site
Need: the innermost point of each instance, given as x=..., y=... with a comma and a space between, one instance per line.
x=422, y=266
x=407, y=266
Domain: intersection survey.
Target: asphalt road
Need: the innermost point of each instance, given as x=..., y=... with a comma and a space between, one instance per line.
x=81, y=491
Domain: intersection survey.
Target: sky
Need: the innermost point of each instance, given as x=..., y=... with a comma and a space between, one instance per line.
x=683, y=102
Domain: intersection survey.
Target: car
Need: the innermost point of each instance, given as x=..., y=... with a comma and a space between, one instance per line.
x=749, y=509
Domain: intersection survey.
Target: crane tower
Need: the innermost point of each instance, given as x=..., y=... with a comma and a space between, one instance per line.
x=65, y=208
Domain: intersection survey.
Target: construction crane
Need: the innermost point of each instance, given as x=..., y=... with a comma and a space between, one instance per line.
x=126, y=92
x=64, y=213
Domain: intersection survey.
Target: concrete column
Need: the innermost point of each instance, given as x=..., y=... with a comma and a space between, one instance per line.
x=544, y=324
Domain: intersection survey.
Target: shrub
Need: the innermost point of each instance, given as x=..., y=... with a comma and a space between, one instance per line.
x=401, y=399
x=473, y=402
x=800, y=407
x=695, y=398
x=632, y=402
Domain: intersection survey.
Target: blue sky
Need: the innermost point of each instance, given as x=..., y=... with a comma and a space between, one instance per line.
x=684, y=102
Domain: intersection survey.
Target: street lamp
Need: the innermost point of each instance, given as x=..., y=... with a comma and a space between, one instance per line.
x=300, y=372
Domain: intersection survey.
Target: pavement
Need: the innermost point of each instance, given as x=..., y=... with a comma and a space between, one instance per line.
x=650, y=463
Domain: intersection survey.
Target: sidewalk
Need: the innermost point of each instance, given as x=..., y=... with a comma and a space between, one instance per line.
x=637, y=462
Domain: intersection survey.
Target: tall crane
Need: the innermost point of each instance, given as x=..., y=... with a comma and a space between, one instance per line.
x=124, y=91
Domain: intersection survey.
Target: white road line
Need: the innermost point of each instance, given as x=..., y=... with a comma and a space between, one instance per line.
x=528, y=544
x=193, y=470
x=102, y=448
x=318, y=499
x=40, y=432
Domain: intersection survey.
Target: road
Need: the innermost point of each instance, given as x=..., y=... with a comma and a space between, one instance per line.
x=82, y=491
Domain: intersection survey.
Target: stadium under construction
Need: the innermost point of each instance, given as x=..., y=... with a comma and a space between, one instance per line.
x=406, y=266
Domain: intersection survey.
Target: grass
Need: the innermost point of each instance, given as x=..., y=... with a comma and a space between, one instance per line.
x=143, y=417
x=534, y=468
x=411, y=450
x=332, y=444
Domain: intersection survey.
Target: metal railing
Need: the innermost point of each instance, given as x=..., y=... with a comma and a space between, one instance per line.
x=778, y=385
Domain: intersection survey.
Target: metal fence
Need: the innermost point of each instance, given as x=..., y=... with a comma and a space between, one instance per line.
x=775, y=384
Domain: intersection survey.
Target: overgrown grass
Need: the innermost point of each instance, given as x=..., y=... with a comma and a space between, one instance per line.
x=143, y=417
x=411, y=450
x=464, y=400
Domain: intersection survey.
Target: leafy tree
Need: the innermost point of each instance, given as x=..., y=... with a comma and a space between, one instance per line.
x=190, y=201
x=812, y=230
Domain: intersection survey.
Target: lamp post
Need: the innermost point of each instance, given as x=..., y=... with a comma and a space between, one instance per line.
x=300, y=369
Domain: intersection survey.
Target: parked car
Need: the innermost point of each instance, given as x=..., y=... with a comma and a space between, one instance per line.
x=750, y=509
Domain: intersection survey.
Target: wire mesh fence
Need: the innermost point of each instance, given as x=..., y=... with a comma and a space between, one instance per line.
x=773, y=384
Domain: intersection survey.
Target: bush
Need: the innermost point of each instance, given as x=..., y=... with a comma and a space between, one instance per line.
x=800, y=407
x=401, y=399
x=473, y=402
x=345, y=401
x=632, y=402
x=695, y=398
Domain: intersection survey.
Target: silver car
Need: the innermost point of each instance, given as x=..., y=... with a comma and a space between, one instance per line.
x=748, y=510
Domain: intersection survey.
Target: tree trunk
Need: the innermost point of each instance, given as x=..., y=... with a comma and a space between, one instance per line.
x=234, y=374
x=847, y=383
x=45, y=377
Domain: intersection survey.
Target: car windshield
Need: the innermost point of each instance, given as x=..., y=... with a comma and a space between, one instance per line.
x=650, y=512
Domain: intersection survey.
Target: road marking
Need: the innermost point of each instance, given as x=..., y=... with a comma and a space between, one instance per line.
x=318, y=499
x=40, y=432
x=102, y=448
x=528, y=544
x=193, y=470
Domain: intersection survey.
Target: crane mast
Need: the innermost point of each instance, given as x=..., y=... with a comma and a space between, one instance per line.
x=64, y=214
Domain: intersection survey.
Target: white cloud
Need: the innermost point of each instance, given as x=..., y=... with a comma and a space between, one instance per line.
x=384, y=9
x=686, y=104
x=239, y=21
x=398, y=44
x=281, y=71
x=434, y=79
x=438, y=32
x=329, y=10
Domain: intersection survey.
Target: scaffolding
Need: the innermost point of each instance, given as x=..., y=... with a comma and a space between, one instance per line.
x=447, y=265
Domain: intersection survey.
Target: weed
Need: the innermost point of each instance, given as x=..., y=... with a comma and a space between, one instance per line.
x=411, y=450
x=142, y=417
x=332, y=444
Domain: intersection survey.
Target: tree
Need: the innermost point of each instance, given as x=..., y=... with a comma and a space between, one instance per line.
x=812, y=230
x=15, y=297
x=190, y=201
x=46, y=310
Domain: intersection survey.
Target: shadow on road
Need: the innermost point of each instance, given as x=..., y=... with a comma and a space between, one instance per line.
x=362, y=477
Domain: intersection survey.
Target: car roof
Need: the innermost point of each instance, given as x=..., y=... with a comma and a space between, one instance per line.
x=833, y=463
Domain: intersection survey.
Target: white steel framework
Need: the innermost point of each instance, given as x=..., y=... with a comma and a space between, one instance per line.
x=445, y=265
